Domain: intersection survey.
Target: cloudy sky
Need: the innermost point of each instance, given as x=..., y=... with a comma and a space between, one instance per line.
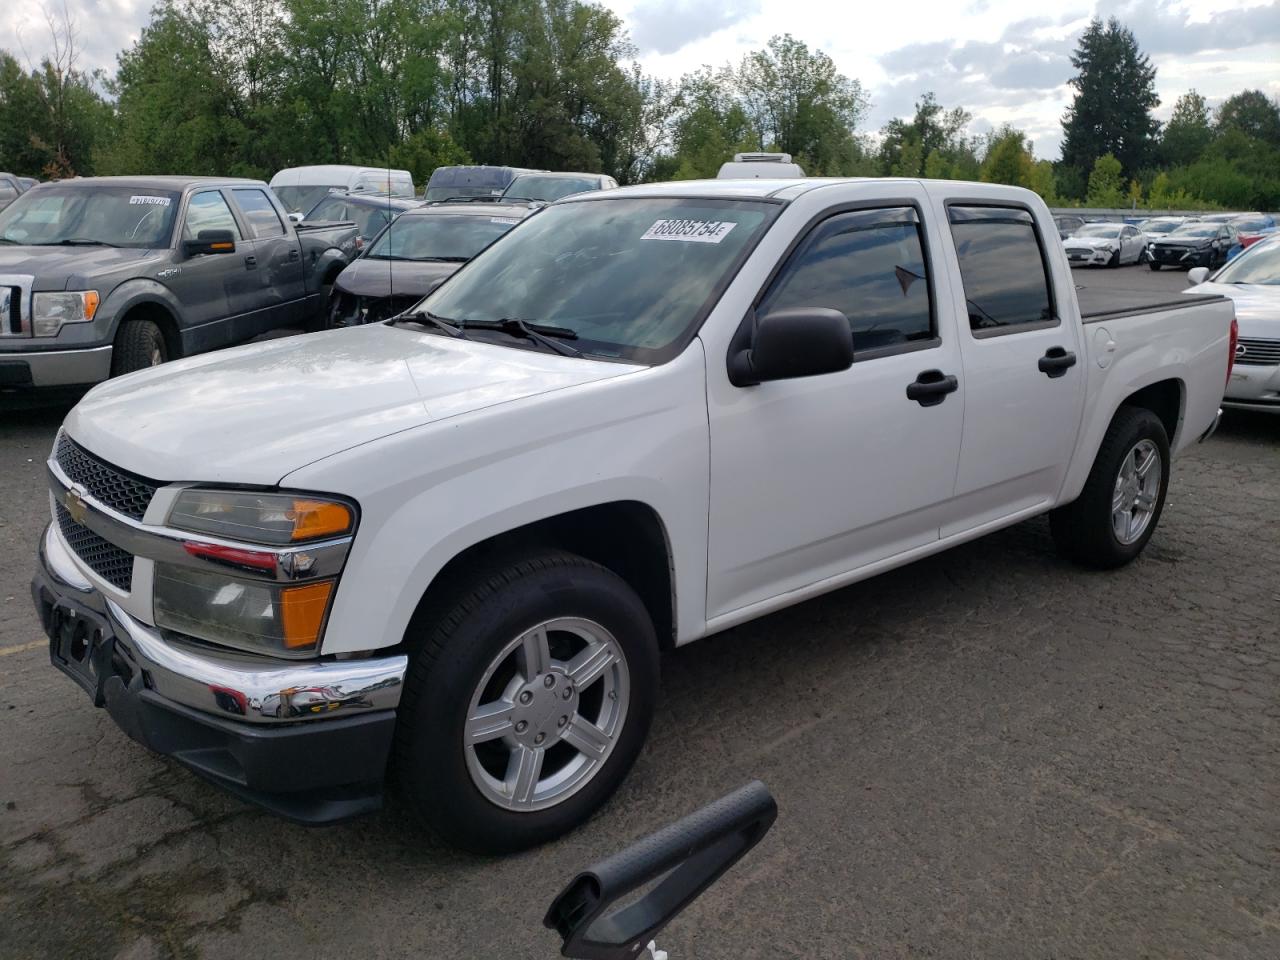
x=991, y=56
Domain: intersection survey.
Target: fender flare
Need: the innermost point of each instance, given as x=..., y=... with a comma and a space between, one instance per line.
x=137, y=292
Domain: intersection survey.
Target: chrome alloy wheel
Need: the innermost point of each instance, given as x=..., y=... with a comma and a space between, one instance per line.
x=1136, y=493
x=547, y=714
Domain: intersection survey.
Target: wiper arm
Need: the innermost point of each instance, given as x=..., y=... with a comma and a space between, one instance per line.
x=428, y=319
x=444, y=259
x=82, y=242
x=537, y=332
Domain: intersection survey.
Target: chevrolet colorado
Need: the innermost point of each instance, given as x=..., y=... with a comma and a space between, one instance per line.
x=454, y=543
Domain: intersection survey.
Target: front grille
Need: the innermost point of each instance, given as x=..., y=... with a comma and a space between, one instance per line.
x=108, y=561
x=123, y=492
x=10, y=311
x=1263, y=353
x=1078, y=252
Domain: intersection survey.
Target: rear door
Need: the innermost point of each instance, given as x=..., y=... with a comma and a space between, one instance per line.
x=1023, y=363
x=277, y=258
x=813, y=478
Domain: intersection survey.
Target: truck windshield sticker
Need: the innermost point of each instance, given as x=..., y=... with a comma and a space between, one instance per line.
x=508, y=220
x=690, y=231
x=157, y=201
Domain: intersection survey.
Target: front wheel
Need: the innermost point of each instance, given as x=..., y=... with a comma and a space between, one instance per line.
x=527, y=703
x=1117, y=512
x=139, y=344
x=1153, y=265
x=1114, y=261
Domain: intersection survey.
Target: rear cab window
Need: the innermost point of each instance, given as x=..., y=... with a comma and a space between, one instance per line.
x=259, y=211
x=1003, y=268
x=870, y=265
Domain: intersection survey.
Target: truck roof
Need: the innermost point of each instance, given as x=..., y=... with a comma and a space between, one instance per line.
x=156, y=182
x=780, y=189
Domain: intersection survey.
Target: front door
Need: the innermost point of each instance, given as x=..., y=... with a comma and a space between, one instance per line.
x=1024, y=365
x=812, y=478
x=211, y=287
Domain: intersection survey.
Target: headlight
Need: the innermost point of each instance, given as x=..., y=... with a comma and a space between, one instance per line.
x=272, y=518
x=268, y=590
x=264, y=617
x=49, y=311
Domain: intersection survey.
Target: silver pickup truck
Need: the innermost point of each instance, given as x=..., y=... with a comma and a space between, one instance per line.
x=106, y=275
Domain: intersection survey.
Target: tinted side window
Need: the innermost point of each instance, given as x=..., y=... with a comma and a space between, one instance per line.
x=257, y=209
x=208, y=211
x=332, y=209
x=869, y=265
x=1002, y=266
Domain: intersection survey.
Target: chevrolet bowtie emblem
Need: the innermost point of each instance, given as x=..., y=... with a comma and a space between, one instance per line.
x=75, y=505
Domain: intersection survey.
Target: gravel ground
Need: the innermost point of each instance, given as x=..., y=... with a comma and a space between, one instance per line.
x=987, y=754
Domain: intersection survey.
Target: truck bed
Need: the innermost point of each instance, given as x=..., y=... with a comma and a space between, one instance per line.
x=1097, y=304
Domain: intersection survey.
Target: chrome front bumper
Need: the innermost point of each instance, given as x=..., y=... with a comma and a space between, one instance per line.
x=59, y=368
x=226, y=684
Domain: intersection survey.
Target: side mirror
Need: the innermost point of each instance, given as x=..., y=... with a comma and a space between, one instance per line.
x=1197, y=275
x=796, y=342
x=597, y=915
x=296, y=217
x=210, y=241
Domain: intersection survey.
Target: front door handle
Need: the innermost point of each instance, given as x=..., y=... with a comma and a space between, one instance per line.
x=1056, y=362
x=932, y=387
x=251, y=263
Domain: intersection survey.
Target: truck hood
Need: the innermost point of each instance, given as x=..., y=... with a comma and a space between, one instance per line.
x=382, y=278
x=1257, y=305
x=1091, y=243
x=256, y=413
x=53, y=267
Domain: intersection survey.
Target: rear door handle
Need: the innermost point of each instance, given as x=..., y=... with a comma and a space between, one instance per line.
x=1056, y=362
x=932, y=387
x=294, y=256
x=251, y=263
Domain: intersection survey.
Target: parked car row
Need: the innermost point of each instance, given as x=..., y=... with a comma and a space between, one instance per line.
x=1209, y=240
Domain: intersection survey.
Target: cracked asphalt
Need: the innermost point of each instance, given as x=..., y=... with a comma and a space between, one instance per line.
x=989, y=754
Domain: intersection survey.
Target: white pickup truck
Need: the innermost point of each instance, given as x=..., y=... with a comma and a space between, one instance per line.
x=452, y=545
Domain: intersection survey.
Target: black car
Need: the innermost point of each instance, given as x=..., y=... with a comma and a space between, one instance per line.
x=1197, y=244
x=369, y=212
x=417, y=252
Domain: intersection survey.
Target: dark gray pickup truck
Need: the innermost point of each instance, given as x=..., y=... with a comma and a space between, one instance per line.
x=102, y=276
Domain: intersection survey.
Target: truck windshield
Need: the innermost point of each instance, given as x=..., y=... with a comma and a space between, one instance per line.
x=631, y=277
x=110, y=216
x=439, y=237
x=1260, y=264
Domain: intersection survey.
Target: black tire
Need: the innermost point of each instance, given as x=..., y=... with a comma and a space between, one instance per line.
x=1153, y=265
x=1083, y=530
x=458, y=641
x=139, y=344
x=1114, y=261
x=322, y=319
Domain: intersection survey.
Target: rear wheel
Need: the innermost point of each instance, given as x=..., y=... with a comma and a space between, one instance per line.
x=527, y=702
x=139, y=344
x=1119, y=508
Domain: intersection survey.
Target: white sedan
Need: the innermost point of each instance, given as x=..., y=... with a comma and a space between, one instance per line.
x=1105, y=245
x=1252, y=281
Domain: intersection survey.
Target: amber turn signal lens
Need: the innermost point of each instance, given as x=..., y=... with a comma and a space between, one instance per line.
x=90, y=303
x=313, y=519
x=302, y=613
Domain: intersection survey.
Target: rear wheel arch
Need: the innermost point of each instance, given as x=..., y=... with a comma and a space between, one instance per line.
x=1166, y=399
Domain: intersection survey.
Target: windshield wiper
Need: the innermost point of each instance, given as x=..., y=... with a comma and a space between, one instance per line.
x=428, y=319
x=537, y=332
x=80, y=242
x=444, y=259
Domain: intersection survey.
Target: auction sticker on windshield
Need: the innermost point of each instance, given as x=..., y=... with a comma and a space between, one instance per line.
x=158, y=201
x=690, y=231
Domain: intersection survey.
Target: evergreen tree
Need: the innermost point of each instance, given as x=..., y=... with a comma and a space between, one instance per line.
x=1115, y=94
x=1188, y=131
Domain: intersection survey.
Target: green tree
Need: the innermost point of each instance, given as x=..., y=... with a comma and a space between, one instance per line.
x=1253, y=114
x=798, y=102
x=1008, y=159
x=1188, y=131
x=935, y=130
x=1106, y=183
x=1115, y=94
